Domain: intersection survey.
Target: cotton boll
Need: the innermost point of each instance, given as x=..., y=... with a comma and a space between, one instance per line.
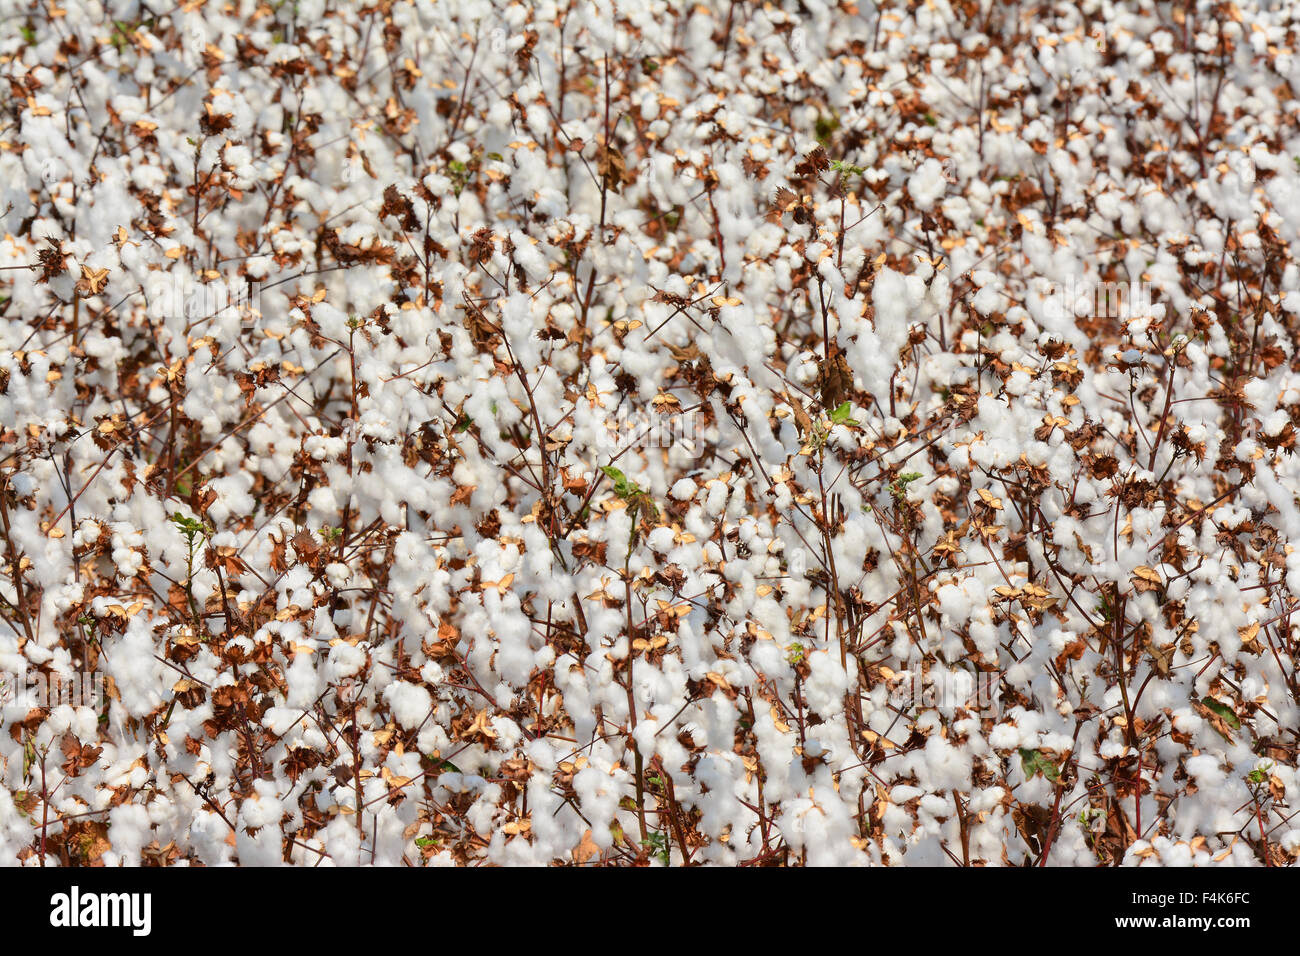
x=826, y=684
x=345, y=660
x=303, y=681
x=661, y=540
x=1004, y=737
x=683, y=489
x=1205, y=770
x=136, y=672
x=717, y=497
x=128, y=833
x=338, y=574
x=515, y=656
x=927, y=184
x=208, y=833
x=257, y=837
x=342, y=842
x=598, y=798
x=410, y=703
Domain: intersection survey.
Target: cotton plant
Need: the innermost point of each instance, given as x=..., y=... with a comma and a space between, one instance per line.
x=456, y=432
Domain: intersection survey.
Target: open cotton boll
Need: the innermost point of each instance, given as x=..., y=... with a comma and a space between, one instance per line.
x=927, y=184
x=129, y=832
x=411, y=704
x=826, y=684
x=303, y=680
x=136, y=671
x=208, y=832
x=345, y=660
x=683, y=489
x=256, y=840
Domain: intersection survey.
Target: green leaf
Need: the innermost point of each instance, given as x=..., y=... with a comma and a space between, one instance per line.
x=622, y=487
x=1223, y=710
x=187, y=526
x=899, y=488
x=825, y=127
x=1035, y=763
x=657, y=843
x=840, y=416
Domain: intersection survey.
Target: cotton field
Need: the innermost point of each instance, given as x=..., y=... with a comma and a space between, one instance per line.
x=650, y=434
